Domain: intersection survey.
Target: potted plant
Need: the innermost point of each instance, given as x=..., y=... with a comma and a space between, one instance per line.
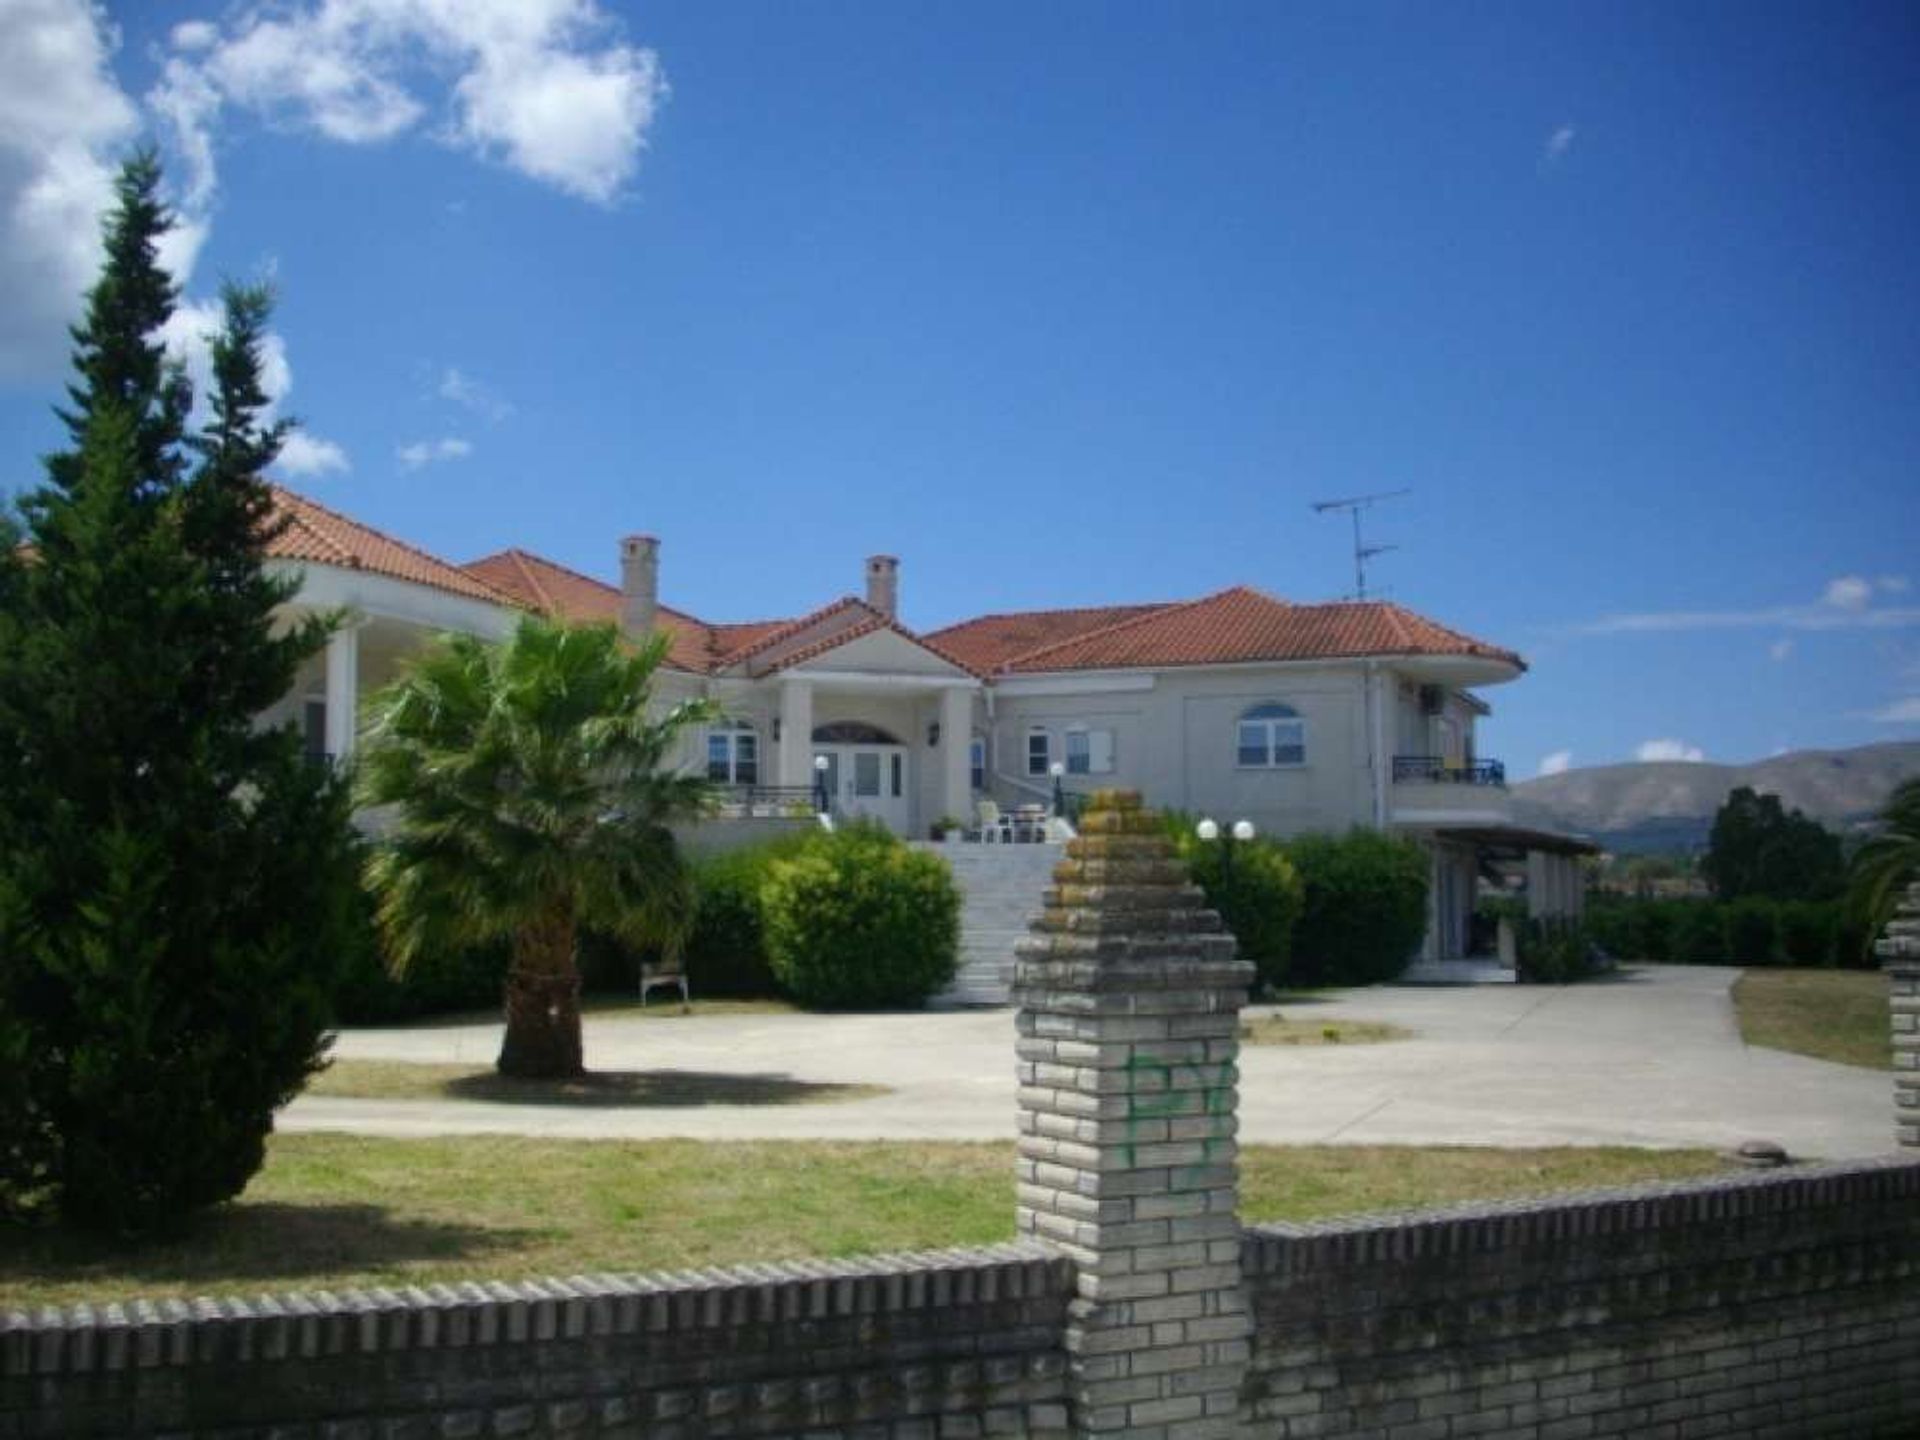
x=946, y=827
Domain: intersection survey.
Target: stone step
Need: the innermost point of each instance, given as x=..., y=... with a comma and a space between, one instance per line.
x=1001, y=891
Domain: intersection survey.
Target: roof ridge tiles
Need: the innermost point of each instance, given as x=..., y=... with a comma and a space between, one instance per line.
x=292, y=500
x=1101, y=632
x=1154, y=605
x=793, y=627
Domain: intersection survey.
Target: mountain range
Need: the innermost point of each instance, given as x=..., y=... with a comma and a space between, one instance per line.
x=1668, y=806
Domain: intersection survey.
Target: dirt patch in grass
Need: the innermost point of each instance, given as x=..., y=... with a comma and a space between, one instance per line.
x=341, y=1211
x=601, y=1089
x=1280, y=1030
x=1838, y=1015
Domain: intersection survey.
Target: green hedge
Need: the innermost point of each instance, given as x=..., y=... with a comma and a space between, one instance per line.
x=1257, y=891
x=857, y=920
x=1555, y=951
x=1364, y=907
x=1749, y=932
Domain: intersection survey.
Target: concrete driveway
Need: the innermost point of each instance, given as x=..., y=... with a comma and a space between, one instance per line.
x=1650, y=1058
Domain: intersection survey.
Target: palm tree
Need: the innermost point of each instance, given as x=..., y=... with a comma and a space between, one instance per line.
x=533, y=791
x=1884, y=866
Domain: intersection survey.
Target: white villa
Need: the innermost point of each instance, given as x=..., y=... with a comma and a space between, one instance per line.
x=1235, y=705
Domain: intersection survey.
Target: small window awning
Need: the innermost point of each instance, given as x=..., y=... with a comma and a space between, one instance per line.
x=1518, y=839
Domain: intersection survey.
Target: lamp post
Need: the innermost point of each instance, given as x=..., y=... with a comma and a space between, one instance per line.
x=1059, y=794
x=820, y=783
x=1208, y=831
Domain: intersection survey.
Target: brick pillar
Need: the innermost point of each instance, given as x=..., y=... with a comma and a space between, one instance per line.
x=1899, y=947
x=1129, y=999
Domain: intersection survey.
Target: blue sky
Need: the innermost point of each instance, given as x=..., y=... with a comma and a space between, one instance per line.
x=1079, y=303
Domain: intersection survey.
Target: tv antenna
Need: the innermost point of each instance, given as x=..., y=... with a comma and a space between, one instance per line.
x=1362, y=552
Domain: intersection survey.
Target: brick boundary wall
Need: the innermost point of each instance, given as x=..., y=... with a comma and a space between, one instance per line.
x=953, y=1343
x=1784, y=1303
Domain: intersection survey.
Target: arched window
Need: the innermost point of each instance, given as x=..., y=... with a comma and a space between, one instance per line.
x=733, y=753
x=1270, y=737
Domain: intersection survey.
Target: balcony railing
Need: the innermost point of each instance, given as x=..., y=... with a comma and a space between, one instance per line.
x=763, y=801
x=1435, y=770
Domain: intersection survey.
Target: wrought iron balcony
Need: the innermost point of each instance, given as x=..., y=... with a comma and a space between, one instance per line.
x=1435, y=770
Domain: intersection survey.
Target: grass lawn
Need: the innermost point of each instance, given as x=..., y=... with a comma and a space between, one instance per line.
x=339, y=1211
x=414, y=1080
x=1279, y=1030
x=1828, y=1014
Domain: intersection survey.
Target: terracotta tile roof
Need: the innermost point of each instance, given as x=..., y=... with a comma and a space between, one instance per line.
x=319, y=536
x=1243, y=625
x=787, y=631
x=990, y=641
x=859, y=619
x=541, y=584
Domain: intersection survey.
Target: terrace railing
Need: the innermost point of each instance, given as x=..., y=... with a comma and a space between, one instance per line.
x=1436, y=770
x=769, y=801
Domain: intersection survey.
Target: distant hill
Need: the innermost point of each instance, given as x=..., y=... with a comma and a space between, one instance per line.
x=1668, y=806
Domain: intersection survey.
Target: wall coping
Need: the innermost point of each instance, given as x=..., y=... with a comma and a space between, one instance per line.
x=145, y=1334
x=1292, y=1247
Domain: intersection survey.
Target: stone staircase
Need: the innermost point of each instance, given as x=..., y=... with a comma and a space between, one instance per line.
x=1000, y=888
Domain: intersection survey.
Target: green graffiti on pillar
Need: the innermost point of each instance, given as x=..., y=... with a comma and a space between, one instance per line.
x=1214, y=1087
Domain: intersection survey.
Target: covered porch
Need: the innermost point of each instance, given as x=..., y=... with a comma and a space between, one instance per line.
x=890, y=748
x=1461, y=857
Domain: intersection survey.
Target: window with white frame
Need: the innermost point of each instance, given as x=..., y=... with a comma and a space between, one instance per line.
x=1271, y=736
x=1039, y=750
x=977, y=762
x=1089, y=750
x=733, y=754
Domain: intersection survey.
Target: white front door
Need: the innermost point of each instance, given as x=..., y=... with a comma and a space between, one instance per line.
x=868, y=782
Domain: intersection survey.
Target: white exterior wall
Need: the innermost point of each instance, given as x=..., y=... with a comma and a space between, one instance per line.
x=1174, y=740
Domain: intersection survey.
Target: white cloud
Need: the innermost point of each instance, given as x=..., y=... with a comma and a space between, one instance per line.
x=1669, y=750
x=1556, y=763
x=547, y=87
x=193, y=35
x=431, y=452
x=1905, y=711
x=466, y=391
x=1845, y=604
x=62, y=118
x=1780, y=649
x=1559, y=141
x=1848, y=592
x=305, y=455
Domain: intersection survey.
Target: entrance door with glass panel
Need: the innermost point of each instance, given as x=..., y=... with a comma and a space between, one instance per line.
x=865, y=775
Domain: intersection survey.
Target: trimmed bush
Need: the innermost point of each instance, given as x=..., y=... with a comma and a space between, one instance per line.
x=1614, y=928
x=1364, y=907
x=1807, y=932
x=1257, y=892
x=727, y=951
x=858, y=920
x=1700, y=936
x=1555, y=952
x=1752, y=929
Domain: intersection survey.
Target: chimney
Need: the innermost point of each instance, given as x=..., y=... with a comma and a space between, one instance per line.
x=883, y=584
x=639, y=584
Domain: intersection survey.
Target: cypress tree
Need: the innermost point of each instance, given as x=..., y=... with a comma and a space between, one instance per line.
x=175, y=881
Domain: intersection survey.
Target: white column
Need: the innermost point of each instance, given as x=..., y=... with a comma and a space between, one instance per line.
x=796, y=732
x=1430, y=942
x=956, y=734
x=343, y=692
x=1539, y=868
